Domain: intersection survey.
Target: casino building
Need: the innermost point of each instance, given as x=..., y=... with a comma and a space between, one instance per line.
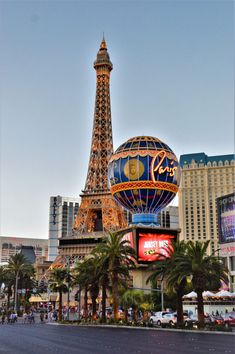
x=62, y=213
x=203, y=179
x=10, y=245
x=226, y=231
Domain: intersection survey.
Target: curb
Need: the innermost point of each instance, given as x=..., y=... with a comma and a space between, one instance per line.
x=142, y=328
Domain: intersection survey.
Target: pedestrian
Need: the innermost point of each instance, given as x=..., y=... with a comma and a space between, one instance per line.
x=25, y=317
x=42, y=317
x=3, y=318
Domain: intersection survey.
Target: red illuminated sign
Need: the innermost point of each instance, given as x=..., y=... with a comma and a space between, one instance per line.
x=129, y=237
x=151, y=246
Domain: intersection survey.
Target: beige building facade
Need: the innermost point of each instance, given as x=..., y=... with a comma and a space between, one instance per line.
x=204, y=179
x=10, y=245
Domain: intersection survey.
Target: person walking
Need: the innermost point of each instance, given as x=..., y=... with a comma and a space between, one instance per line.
x=42, y=316
x=3, y=318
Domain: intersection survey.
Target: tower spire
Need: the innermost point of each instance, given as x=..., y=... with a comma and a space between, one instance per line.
x=102, y=140
x=98, y=211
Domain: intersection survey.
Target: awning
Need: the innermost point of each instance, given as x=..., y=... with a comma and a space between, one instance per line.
x=71, y=303
x=38, y=299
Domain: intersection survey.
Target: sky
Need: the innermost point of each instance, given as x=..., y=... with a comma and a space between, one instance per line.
x=172, y=78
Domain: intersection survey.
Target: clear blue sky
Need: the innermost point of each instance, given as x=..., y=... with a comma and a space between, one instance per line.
x=172, y=78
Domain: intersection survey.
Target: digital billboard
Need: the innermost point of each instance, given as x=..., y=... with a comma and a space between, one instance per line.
x=226, y=218
x=151, y=245
x=129, y=237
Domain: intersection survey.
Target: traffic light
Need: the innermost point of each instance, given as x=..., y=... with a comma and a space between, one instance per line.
x=76, y=297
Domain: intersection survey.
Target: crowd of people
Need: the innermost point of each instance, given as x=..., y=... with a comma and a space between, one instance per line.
x=31, y=316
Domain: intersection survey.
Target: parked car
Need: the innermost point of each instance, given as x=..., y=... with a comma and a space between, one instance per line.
x=186, y=318
x=217, y=319
x=163, y=317
x=229, y=319
x=194, y=319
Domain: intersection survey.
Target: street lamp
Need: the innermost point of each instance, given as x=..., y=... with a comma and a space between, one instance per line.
x=68, y=279
x=16, y=291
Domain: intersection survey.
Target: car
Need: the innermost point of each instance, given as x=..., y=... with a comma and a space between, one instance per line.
x=217, y=319
x=163, y=317
x=186, y=318
x=194, y=319
x=229, y=319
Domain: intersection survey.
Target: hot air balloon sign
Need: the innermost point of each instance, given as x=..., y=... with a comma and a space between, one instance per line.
x=144, y=177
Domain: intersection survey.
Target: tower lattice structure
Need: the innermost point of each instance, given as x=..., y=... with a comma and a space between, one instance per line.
x=98, y=211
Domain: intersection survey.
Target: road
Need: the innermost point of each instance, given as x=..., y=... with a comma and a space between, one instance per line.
x=56, y=339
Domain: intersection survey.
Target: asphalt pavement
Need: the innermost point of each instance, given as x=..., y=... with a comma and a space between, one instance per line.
x=66, y=339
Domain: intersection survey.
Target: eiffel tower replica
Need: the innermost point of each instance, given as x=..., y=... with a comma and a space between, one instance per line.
x=98, y=213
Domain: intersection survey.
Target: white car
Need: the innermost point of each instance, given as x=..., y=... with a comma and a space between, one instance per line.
x=163, y=317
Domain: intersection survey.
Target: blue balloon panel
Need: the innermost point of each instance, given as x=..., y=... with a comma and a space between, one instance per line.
x=144, y=176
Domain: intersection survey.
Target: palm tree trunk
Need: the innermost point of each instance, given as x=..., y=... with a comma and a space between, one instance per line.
x=85, y=304
x=126, y=314
x=9, y=294
x=104, y=295
x=200, y=308
x=115, y=295
x=60, y=305
x=93, y=299
x=135, y=314
x=180, y=317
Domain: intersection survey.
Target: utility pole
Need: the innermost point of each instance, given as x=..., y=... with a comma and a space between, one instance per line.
x=162, y=295
x=16, y=292
x=79, y=304
x=68, y=278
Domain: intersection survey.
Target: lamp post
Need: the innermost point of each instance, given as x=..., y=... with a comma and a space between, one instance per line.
x=16, y=292
x=68, y=278
x=162, y=295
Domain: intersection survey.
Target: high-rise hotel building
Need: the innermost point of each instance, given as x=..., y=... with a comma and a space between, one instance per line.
x=204, y=178
x=62, y=213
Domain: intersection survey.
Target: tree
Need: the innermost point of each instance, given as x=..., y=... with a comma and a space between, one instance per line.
x=202, y=268
x=103, y=275
x=133, y=299
x=91, y=278
x=18, y=265
x=2, y=275
x=83, y=278
x=58, y=283
x=119, y=258
x=165, y=269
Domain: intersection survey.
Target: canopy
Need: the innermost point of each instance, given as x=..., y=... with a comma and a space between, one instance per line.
x=190, y=295
x=223, y=293
x=208, y=294
x=37, y=299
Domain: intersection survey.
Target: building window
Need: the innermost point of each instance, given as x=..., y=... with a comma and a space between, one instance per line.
x=232, y=263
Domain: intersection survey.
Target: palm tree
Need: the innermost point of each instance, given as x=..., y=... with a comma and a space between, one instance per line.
x=8, y=279
x=58, y=283
x=165, y=269
x=103, y=276
x=202, y=268
x=2, y=275
x=119, y=257
x=132, y=298
x=83, y=278
x=18, y=265
x=92, y=279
